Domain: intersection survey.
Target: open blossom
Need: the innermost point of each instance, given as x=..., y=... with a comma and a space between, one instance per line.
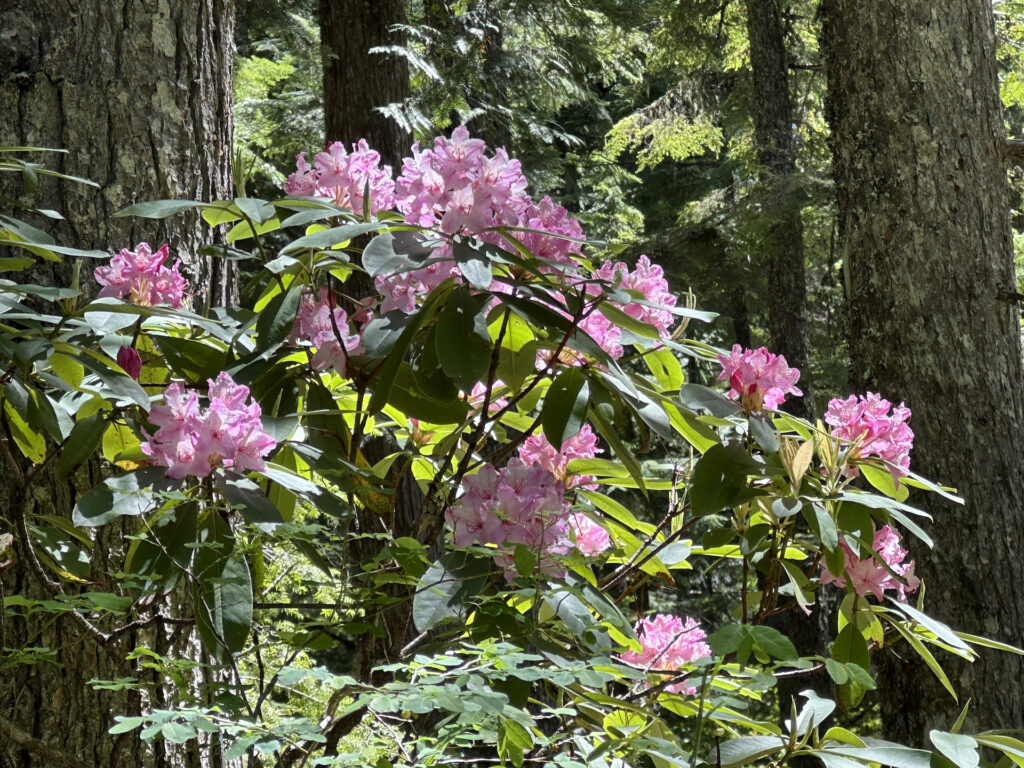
x=591, y=538
x=869, y=575
x=881, y=433
x=669, y=642
x=536, y=450
x=759, y=378
x=515, y=504
x=344, y=176
x=190, y=440
x=327, y=330
x=142, y=277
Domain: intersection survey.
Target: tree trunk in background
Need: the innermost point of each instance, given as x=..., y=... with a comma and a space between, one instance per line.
x=783, y=233
x=925, y=234
x=357, y=82
x=140, y=95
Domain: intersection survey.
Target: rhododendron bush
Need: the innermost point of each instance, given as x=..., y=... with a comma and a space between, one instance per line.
x=430, y=398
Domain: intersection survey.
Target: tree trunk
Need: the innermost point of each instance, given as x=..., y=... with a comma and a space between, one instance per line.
x=925, y=235
x=140, y=95
x=782, y=238
x=356, y=82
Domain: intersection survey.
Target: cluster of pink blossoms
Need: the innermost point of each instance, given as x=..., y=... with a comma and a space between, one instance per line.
x=343, y=178
x=869, y=575
x=881, y=433
x=669, y=642
x=536, y=450
x=458, y=188
x=513, y=505
x=192, y=441
x=327, y=330
x=758, y=378
x=142, y=277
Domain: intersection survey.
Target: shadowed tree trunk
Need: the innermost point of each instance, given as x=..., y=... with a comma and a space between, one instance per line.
x=140, y=95
x=356, y=82
x=782, y=237
x=918, y=153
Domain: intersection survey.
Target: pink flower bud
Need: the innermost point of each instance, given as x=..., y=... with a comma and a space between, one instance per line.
x=128, y=358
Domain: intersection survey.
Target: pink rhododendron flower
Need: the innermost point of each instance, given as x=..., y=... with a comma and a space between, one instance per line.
x=591, y=538
x=142, y=277
x=881, y=433
x=512, y=505
x=536, y=450
x=326, y=330
x=869, y=575
x=649, y=281
x=343, y=177
x=128, y=358
x=192, y=441
x=759, y=378
x=668, y=642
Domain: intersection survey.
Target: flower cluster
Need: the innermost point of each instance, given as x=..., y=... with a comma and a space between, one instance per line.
x=343, y=177
x=668, y=643
x=515, y=504
x=327, y=330
x=142, y=277
x=648, y=280
x=536, y=450
x=758, y=378
x=880, y=433
x=192, y=441
x=870, y=575
x=457, y=188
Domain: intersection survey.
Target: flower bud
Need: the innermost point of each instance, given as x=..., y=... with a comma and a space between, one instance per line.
x=128, y=358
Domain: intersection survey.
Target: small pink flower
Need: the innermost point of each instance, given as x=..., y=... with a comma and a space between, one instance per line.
x=537, y=451
x=869, y=575
x=128, y=358
x=142, y=277
x=669, y=643
x=758, y=378
x=345, y=177
x=881, y=433
x=591, y=538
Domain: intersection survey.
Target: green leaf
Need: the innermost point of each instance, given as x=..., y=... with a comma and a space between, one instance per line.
x=159, y=209
x=131, y=494
x=462, y=342
x=277, y=319
x=192, y=359
x=81, y=444
x=259, y=211
x=222, y=591
x=474, y=265
x=384, y=381
x=774, y=643
x=718, y=478
x=328, y=238
x=166, y=555
x=177, y=733
x=850, y=646
x=744, y=750
x=763, y=431
x=715, y=403
x=249, y=498
x=125, y=724
x=565, y=406
x=446, y=585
